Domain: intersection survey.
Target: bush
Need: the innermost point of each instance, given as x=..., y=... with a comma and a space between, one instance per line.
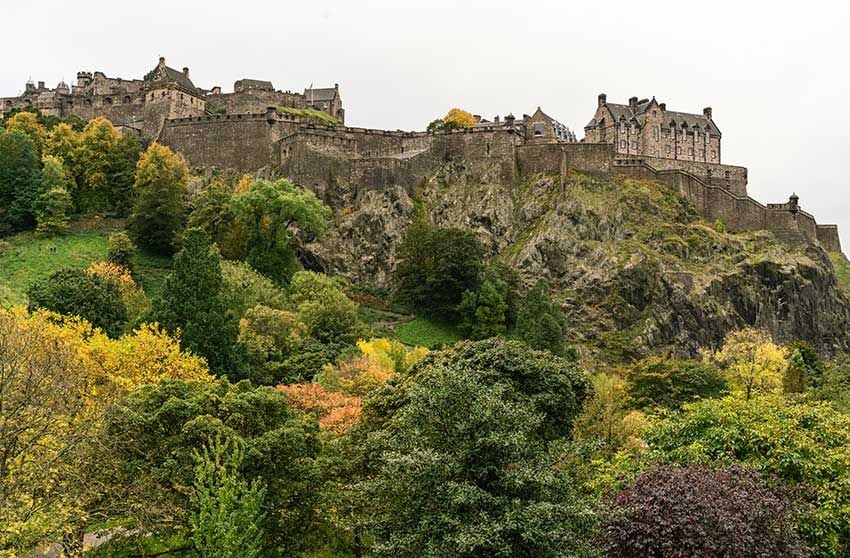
x=540, y=322
x=699, y=511
x=330, y=316
x=76, y=293
x=121, y=251
x=20, y=181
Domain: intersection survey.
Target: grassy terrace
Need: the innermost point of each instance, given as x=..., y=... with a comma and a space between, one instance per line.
x=26, y=258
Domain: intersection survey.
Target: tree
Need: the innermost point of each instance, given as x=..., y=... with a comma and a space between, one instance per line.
x=52, y=206
x=20, y=181
x=122, y=174
x=157, y=216
x=243, y=288
x=540, y=322
x=271, y=212
x=191, y=302
x=227, y=521
x=94, y=157
x=121, y=251
x=74, y=292
x=330, y=316
x=152, y=436
x=462, y=454
x=63, y=142
x=336, y=412
x=213, y=212
x=27, y=123
x=131, y=293
x=668, y=383
x=754, y=364
x=435, y=266
x=700, y=511
x=608, y=419
x=270, y=336
x=45, y=425
x=796, y=442
x=483, y=312
x=458, y=118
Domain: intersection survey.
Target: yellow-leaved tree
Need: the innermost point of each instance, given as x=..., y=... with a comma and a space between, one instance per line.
x=458, y=118
x=58, y=376
x=363, y=373
x=27, y=123
x=132, y=294
x=753, y=363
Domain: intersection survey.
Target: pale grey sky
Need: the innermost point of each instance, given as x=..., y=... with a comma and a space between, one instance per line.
x=776, y=76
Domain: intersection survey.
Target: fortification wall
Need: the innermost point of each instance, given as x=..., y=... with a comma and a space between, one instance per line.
x=730, y=177
x=594, y=158
x=253, y=101
x=244, y=142
x=828, y=237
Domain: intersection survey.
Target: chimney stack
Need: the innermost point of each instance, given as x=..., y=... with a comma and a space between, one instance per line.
x=41, y=85
x=603, y=99
x=496, y=119
x=186, y=72
x=162, y=60
x=707, y=112
x=662, y=106
x=633, y=102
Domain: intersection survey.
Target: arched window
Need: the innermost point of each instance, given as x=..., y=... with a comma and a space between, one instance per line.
x=8, y=104
x=87, y=102
x=107, y=101
x=127, y=99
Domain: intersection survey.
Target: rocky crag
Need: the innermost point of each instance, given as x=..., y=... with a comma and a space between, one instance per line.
x=634, y=267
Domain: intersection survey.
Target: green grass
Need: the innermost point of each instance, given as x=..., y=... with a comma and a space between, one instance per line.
x=842, y=270
x=311, y=114
x=424, y=332
x=26, y=258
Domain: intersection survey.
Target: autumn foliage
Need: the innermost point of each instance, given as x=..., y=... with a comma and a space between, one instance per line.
x=336, y=412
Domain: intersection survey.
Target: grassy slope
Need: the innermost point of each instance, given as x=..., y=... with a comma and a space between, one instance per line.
x=423, y=332
x=26, y=258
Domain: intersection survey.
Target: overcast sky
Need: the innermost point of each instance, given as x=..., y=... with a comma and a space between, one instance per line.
x=777, y=78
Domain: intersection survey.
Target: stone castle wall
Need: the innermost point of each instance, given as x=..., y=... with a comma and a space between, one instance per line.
x=339, y=163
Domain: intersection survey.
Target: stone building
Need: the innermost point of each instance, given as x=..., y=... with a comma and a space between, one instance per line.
x=538, y=127
x=164, y=93
x=646, y=128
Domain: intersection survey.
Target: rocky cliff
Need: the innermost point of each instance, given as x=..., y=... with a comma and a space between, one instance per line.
x=634, y=267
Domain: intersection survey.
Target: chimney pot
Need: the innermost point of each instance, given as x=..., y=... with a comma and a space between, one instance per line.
x=662, y=106
x=186, y=71
x=707, y=112
x=603, y=99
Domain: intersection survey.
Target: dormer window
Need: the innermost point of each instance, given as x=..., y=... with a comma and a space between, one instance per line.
x=538, y=129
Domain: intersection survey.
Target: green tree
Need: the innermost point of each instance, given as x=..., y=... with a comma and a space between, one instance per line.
x=271, y=212
x=212, y=211
x=483, y=312
x=796, y=442
x=191, y=302
x=463, y=460
x=157, y=216
x=20, y=181
x=122, y=174
x=94, y=157
x=322, y=305
x=435, y=266
x=74, y=292
x=27, y=123
x=540, y=322
x=243, y=288
x=753, y=363
x=227, y=521
x=121, y=251
x=667, y=383
x=270, y=336
x=151, y=438
x=52, y=206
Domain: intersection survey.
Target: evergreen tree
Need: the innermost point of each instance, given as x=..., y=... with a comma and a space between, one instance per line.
x=20, y=181
x=483, y=312
x=540, y=321
x=121, y=170
x=191, y=301
x=54, y=203
x=157, y=217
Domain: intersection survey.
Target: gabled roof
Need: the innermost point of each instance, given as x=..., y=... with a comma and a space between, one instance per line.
x=165, y=73
x=691, y=120
x=638, y=116
x=324, y=94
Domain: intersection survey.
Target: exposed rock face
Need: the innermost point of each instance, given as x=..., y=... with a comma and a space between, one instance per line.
x=634, y=268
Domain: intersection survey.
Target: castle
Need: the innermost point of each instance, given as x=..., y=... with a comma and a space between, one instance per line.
x=257, y=126
x=164, y=93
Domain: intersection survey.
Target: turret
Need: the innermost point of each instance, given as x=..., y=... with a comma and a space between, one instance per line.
x=83, y=79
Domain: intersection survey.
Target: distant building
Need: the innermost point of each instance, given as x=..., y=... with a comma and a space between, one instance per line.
x=646, y=128
x=536, y=127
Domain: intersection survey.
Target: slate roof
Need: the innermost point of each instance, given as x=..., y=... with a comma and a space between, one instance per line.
x=173, y=75
x=639, y=117
x=325, y=94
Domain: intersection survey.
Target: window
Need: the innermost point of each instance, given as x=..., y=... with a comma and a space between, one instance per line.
x=679, y=150
x=127, y=99
x=634, y=145
x=655, y=133
x=622, y=144
x=691, y=151
x=667, y=149
x=538, y=129
x=107, y=101
x=622, y=127
x=713, y=155
x=702, y=153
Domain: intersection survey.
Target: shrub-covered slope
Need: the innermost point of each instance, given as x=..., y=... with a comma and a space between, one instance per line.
x=635, y=269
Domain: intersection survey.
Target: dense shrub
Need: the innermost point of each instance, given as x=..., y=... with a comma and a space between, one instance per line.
x=664, y=382
x=699, y=511
x=76, y=293
x=540, y=322
x=121, y=251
